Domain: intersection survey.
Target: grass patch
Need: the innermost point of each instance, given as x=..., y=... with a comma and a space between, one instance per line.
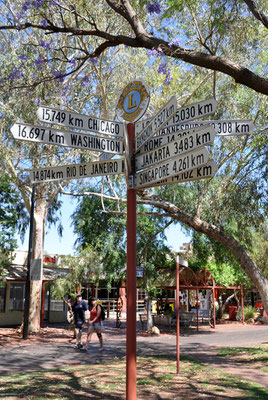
x=255, y=356
x=156, y=378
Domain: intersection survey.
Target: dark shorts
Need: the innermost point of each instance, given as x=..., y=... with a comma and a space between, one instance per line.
x=79, y=325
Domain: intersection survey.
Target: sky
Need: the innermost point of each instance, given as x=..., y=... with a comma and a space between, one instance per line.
x=65, y=245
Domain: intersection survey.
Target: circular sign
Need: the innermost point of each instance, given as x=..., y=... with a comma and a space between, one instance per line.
x=133, y=101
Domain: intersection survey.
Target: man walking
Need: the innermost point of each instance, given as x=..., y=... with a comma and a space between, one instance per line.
x=79, y=308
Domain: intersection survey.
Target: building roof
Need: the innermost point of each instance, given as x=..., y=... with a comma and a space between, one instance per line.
x=15, y=272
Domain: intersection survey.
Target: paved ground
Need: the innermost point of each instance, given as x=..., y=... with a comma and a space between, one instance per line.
x=30, y=355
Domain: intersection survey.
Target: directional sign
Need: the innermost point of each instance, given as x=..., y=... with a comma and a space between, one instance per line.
x=171, y=167
x=106, y=156
x=79, y=121
x=78, y=171
x=139, y=272
x=187, y=113
x=56, y=137
x=181, y=146
x=157, y=122
x=205, y=171
x=222, y=127
x=158, y=141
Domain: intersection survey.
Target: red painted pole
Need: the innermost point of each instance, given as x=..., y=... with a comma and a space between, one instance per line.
x=242, y=305
x=197, y=316
x=178, y=313
x=131, y=384
x=214, y=310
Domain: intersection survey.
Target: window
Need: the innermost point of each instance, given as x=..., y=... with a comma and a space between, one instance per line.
x=16, y=298
x=102, y=293
x=56, y=305
x=2, y=298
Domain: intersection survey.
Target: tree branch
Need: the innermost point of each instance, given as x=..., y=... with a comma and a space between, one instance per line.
x=239, y=73
x=257, y=14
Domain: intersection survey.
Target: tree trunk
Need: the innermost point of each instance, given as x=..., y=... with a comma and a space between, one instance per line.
x=36, y=286
x=212, y=231
x=149, y=315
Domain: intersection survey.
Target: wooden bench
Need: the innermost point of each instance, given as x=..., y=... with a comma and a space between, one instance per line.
x=164, y=320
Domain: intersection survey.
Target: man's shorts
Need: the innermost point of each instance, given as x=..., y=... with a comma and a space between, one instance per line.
x=97, y=325
x=79, y=325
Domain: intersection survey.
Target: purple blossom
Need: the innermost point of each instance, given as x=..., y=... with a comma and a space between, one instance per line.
x=38, y=101
x=23, y=57
x=85, y=80
x=58, y=75
x=39, y=61
x=25, y=6
x=72, y=60
x=175, y=42
x=162, y=69
x=154, y=8
x=44, y=23
x=94, y=60
x=154, y=53
x=38, y=4
x=16, y=73
x=44, y=44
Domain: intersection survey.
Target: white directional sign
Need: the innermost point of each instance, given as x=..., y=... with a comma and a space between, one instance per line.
x=205, y=171
x=157, y=122
x=222, y=127
x=78, y=171
x=56, y=137
x=185, y=144
x=79, y=121
x=106, y=156
x=161, y=140
x=187, y=113
x=171, y=167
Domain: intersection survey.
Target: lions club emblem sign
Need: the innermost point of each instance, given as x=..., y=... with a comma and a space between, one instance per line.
x=133, y=101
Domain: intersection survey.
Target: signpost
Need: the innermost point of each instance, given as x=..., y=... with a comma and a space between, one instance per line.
x=168, y=149
x=79, y=121
x=139, y=272
x=187, y=113
x=78, y=171
x=222, y=127
x=171, y=167
x=106, y=156
x=156, y=123
x=185, y=144
x=40, y=134
x=205, y=171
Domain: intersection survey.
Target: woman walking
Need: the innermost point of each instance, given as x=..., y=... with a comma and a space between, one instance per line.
x=95, y=323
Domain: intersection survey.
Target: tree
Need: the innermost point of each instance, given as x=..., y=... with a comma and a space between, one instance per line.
x=106, y=231
x=46, y=70
x=83, y=267
x=10, y=213
x=210, y=27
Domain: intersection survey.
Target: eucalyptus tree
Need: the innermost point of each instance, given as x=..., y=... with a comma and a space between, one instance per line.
x=100, y=222
x=10, y=212
x=217, y=49
x=31, y=75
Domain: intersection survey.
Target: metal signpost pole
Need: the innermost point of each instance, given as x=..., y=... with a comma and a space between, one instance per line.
x=30, y=252
x=131, y=387
x=177, y=312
